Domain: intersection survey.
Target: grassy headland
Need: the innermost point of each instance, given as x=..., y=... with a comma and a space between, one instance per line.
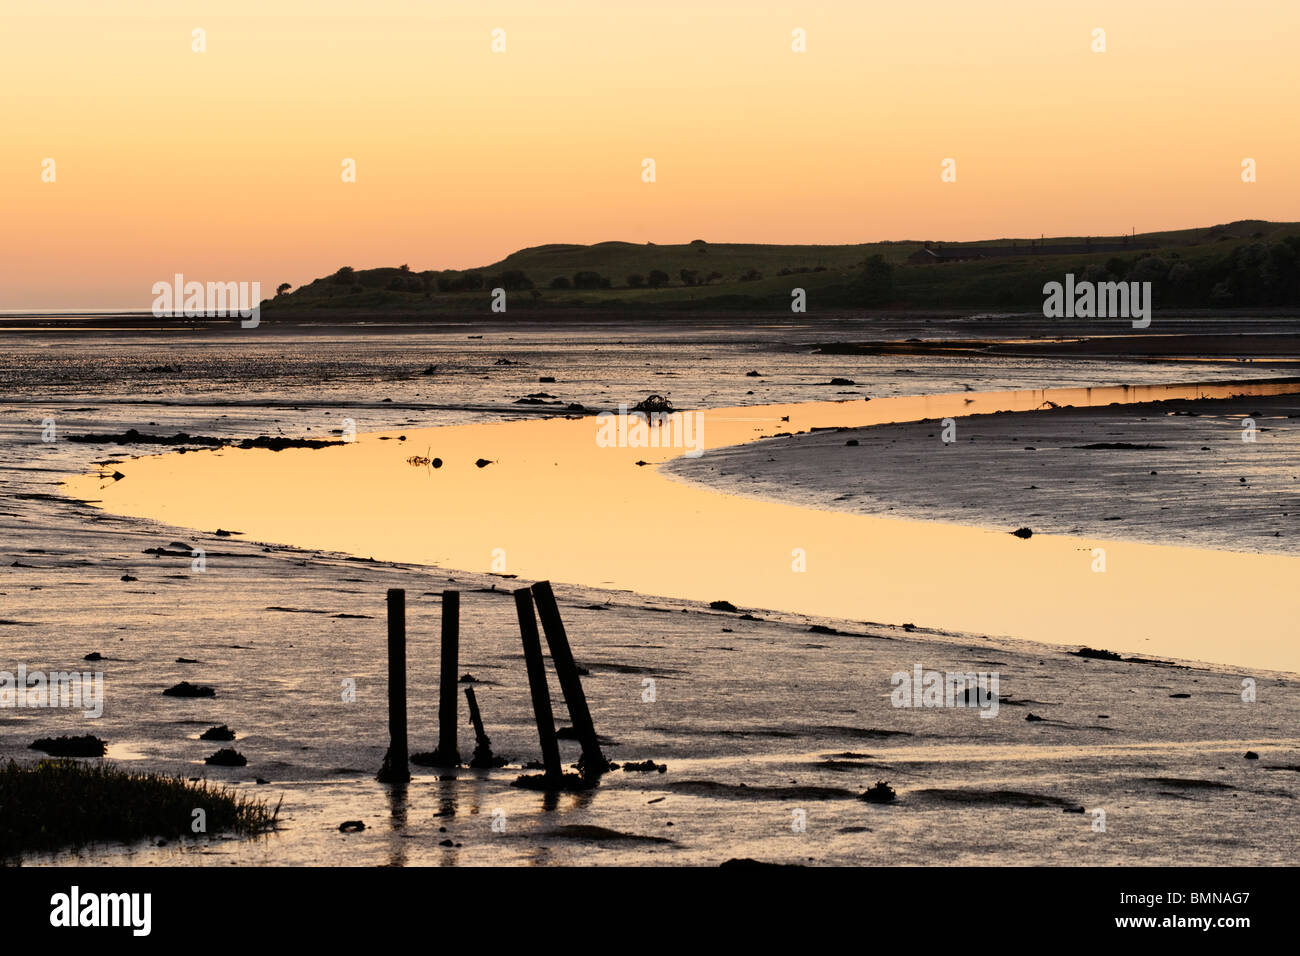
x=1247, y=264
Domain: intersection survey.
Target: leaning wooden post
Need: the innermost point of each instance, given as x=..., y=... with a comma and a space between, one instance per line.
x=475, y=718
x=396, y=768
x=447, y=754
x=483, y=755
x=537, y=684
x=567, y=669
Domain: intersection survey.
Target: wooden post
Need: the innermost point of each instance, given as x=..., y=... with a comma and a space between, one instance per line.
x=475, y=718
x=567, y=670
x=483, y=755
x=447, y=754
x=396, y=768
x=537, y=684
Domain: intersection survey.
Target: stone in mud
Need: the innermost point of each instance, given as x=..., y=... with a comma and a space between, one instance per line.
x=186, y=689
x=482, y=463
x=227, y=757
x=217, y=733
x=1023, y=533
x=645, y=766
x=749, y=863
x=351, y=826
x=1095, y=653
x=567, y=782
x=93, y=656
x=654, y=403
x=882, y=792
x=87, y=746
x=723, y=606
x=1032, y=717
x=1251, y=755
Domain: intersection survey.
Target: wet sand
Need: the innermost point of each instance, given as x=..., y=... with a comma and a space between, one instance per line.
x=1189, y=473
x=756, y=719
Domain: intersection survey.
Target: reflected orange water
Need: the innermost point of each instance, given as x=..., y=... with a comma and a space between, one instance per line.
x=555, y=504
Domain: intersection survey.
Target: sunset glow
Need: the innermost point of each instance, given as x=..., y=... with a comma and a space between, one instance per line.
x=226, y=163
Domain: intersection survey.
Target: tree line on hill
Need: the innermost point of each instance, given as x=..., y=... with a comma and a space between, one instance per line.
x=1259, y=273
x=1252, y=275
x=516, y=280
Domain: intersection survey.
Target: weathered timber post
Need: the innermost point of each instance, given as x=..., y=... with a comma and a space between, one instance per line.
x=395, y=768
x=483, y=755
x=447, y=753
x=593, y=761
x=537, y=684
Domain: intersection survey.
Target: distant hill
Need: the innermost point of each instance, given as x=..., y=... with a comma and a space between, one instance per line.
x=1250, y=263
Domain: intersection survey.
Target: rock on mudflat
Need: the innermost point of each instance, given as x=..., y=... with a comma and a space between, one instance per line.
x=882, y=792
x=227, y=757
x=87, y=746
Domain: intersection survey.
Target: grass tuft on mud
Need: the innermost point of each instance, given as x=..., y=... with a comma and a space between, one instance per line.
x=65, y=803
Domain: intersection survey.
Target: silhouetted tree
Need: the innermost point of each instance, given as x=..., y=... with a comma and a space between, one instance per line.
x=657, y=278
x=512, y=280
x=875, y=285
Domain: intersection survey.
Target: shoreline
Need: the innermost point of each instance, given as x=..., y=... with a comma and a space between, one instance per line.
x=1135, y=472
x=665, y=537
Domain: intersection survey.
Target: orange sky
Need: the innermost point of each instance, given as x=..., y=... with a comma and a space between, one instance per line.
x=225, y=165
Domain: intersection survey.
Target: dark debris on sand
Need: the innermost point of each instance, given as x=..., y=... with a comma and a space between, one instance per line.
x=87, y=746
x=227, y=757
x=133, y=437
x=882, y=792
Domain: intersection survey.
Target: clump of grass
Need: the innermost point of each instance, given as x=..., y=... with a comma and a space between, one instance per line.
x=61, y=803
